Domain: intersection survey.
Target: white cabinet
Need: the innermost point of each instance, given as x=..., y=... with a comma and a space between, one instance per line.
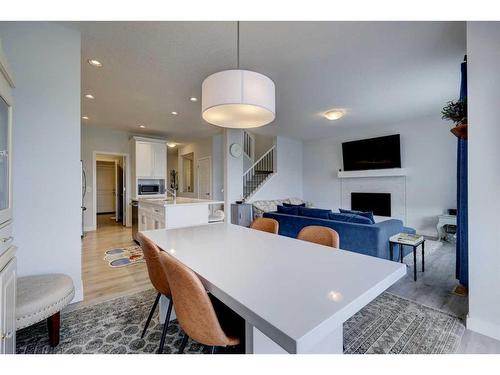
x=151, y=160
x=8, y=308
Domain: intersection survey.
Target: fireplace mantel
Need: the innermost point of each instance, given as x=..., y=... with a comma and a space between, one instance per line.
x=393, y=172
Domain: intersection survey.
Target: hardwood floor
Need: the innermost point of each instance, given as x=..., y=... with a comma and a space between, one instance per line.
x=100, y=281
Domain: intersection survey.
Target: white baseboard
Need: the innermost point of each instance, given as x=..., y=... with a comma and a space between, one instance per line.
x=92, y=228
x=483, y=327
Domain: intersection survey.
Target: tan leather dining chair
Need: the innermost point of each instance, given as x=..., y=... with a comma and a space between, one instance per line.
x=193, y=307
x=266, y=224
x=158, y=277
x=320, y=235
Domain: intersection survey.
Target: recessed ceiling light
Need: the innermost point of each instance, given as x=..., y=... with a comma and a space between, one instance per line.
x=171, y=145
x=85, y=118
x=89, y=96
x=142, y=126
x=174, y=113
x=95, y=63
x=334, y=114
x=193, y=99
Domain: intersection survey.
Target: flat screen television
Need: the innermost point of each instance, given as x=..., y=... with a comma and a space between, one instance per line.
x=372, y=153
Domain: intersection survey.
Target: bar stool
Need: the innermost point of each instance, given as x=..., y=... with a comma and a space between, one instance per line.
x=266, y=224
x=320, y=235
x=193, y=307
x=158, y=277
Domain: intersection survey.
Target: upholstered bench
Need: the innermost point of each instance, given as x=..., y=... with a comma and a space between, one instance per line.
x=42, y=297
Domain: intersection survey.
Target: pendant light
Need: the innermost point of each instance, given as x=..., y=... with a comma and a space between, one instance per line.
x=238, y=98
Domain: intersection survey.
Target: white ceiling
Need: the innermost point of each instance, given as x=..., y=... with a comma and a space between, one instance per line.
x=379, y=72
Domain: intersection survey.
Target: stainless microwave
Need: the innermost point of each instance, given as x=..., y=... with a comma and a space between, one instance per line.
x=151, y=187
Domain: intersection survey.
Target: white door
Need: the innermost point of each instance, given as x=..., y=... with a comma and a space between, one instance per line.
x=105, y=184
x=8, y=308
x=204, y=170
x=144, y=159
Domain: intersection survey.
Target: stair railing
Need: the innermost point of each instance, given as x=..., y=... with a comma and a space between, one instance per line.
x=259, y=172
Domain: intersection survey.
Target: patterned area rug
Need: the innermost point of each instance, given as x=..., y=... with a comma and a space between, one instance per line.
x=389, y=324
x=394, y=325
x=124, y=256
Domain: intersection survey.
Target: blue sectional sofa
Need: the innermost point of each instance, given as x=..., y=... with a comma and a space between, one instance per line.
x=360, y=237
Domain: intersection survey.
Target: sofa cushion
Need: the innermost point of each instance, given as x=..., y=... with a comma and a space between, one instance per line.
x=349, y=218
x=368, y=214
x=288, y=210
x=294, y=205
x=314, y=212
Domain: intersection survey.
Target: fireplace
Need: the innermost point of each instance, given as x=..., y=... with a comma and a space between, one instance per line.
x=378, y=203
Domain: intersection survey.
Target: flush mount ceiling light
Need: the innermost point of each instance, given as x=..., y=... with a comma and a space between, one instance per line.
x=334, y=114
x=142, y=126
x=85, y=118
x=89, y=96
x=95, y=63
x=193, y=99
x=174, y=113
x=238, y=98
x=171, y=145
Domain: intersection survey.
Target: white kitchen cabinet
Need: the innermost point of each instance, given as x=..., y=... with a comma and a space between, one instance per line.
x=8, y=308
x=151, y=160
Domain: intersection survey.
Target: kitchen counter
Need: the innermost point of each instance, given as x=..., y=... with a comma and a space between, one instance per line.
x=176, y=201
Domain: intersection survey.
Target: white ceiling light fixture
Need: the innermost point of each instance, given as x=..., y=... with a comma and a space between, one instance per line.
x=174, y=113
x=238, y=98
x=89, y=96
x=95, y=63
x=142, y=126
x=193, y=99
x=85, y=118
x=171, y=145
x=334, y=114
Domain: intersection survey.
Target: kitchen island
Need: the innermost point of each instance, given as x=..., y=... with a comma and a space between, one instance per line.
x=168, y=213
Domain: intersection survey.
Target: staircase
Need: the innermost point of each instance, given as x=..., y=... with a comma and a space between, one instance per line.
x=259, y=173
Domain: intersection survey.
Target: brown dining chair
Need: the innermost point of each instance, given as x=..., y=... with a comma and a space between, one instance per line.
x=193, y=307
x=266, y=224
x=158, y=277
x=320, y=235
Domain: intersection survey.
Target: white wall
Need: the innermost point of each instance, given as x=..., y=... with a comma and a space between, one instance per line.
x=95, y=139
x=45, y=58
x=287, y=182
x=483, y=56
x=428, y=151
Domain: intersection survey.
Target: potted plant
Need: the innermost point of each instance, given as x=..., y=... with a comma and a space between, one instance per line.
x=457, y=112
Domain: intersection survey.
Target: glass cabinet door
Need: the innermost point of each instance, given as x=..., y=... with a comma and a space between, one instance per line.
x=4, y=156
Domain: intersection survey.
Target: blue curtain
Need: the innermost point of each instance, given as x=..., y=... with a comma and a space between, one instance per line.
x=462, y=263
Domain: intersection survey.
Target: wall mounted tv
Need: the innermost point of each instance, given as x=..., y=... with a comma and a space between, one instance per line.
x=372, y=153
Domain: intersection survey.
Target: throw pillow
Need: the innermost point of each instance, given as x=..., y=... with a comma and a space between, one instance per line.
x=288, y=210
x=314, y=212
x=294, y=205
x=368, y=214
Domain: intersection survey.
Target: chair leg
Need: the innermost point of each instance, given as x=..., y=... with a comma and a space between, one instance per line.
x=151, y=315
x=54, y=324
x=183, y=344
x=212, y=350
x=165, y=327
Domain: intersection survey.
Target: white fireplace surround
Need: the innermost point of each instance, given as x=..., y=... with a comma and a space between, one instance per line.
x=394, y=185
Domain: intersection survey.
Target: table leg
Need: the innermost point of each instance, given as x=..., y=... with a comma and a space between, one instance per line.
x=414, y=263
x=164, y=302
x=391, y=250
x=423, y=256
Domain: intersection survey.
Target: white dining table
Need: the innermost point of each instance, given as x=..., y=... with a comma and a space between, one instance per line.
x=294, y=295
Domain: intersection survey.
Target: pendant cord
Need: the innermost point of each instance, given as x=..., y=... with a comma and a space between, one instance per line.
x=238, y=44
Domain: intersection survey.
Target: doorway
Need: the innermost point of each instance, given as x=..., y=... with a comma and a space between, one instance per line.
x=204, y=177
x=110, y=181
